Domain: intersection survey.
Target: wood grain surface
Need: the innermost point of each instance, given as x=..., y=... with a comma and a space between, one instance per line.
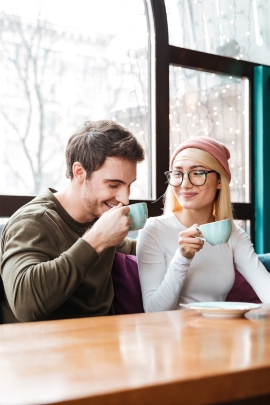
x=174, y=357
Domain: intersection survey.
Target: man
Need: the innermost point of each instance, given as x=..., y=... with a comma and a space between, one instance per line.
x=58, y=250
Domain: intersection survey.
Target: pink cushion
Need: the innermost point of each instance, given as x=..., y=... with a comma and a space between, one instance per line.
x=242, y=291
x=126, y=283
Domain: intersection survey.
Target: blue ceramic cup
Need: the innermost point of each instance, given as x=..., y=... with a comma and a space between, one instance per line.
x=217, y=232
x=138, y=214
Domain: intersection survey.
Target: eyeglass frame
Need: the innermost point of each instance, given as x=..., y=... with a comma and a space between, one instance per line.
x=188, y=173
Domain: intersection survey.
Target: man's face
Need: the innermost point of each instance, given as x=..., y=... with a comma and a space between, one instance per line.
x=108, y=186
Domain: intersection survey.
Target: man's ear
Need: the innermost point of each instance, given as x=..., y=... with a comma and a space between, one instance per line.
x=78, y=172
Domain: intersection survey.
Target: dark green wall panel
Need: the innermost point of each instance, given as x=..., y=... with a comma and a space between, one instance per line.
x=262, y=157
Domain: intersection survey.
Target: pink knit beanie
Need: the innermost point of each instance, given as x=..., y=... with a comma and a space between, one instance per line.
x=215, y=148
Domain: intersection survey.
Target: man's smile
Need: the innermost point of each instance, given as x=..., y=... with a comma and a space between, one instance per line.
x=111, y=205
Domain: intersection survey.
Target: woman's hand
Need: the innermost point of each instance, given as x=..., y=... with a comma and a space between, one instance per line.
x=188, y=244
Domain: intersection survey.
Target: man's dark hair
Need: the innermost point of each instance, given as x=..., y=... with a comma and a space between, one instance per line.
x=96, y=141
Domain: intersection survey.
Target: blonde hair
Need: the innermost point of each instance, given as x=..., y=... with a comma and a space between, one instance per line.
x=222, y=205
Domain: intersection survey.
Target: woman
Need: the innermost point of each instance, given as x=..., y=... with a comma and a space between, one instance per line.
x=174, y=265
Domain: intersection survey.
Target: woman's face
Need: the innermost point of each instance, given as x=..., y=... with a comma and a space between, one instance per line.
x=195, y=197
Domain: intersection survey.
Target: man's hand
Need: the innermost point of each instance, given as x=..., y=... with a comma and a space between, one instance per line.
x=188, y=244
x=110, y=229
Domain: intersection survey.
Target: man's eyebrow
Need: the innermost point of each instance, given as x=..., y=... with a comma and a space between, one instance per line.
x=119, y=181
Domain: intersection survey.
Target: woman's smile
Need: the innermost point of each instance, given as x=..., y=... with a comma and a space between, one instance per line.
x=188, y=194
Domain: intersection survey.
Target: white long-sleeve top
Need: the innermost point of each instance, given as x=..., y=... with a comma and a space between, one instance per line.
x=168, y=278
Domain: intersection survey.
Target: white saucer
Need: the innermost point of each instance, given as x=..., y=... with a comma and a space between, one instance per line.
x=222, y=309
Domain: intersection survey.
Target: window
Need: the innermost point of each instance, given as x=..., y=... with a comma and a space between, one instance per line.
x=212, y=47
x=64, y=69
x=164, y=69
x=237, y=29
x=214, y=105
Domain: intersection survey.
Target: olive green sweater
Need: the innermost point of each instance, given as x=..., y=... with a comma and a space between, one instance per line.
x=48, y=270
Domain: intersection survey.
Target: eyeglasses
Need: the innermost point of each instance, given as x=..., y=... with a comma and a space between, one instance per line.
x=196, y=177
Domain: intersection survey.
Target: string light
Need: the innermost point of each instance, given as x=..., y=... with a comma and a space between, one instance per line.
x=200, y=118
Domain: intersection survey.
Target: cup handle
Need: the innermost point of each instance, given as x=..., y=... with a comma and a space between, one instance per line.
x=199, y=237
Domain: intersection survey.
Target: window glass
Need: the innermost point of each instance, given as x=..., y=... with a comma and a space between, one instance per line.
x=59, y=69
x=213, y=105
x=238, y=28
x=244, y=224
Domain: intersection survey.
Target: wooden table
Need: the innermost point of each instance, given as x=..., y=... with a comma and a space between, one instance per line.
x=175, y=357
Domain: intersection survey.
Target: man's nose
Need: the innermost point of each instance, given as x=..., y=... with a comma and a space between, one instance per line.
x=123, y=196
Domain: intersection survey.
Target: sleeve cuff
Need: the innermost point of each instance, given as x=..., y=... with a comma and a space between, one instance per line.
x=181, y=259
x=83, y=253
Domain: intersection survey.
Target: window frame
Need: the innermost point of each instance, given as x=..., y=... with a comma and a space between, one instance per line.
x=166, y=55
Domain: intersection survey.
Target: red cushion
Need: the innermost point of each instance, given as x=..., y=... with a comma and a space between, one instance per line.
x=242, y=291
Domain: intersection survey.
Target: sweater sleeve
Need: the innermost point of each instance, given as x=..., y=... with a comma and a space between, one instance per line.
x=161, y=281
x=39, y=269
x=249, y=265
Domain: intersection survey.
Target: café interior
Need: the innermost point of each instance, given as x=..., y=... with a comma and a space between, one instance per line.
x=166, y=70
